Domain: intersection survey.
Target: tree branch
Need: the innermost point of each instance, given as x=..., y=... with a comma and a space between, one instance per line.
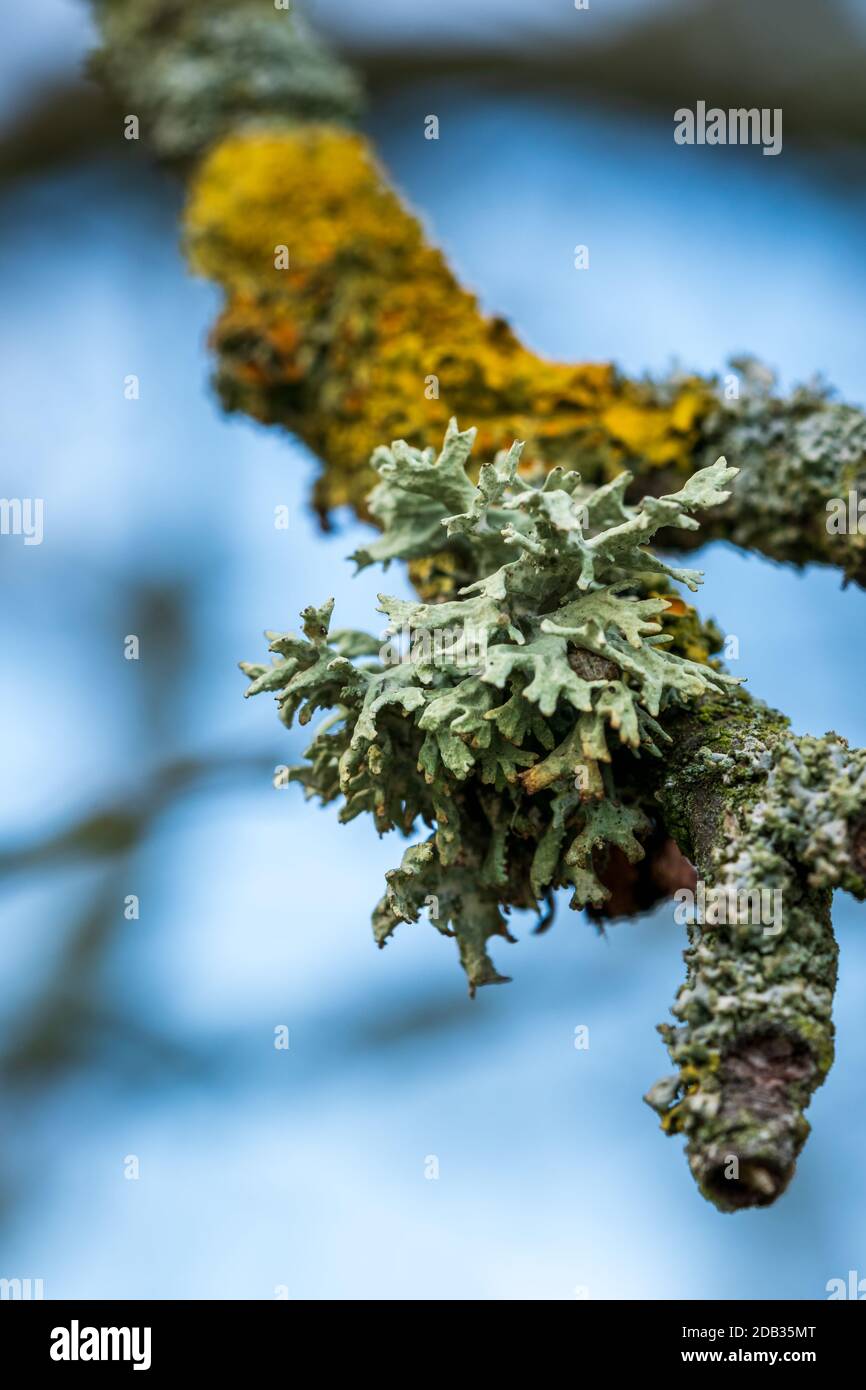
x=362, y=333
x=342, y=324
x=773, y=824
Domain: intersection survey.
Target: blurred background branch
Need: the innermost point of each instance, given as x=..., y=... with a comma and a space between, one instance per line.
x=806, y=58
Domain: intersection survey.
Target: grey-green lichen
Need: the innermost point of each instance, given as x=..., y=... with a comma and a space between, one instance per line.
x=815, y=811
x=801, y=457
x=499, y=720
x=774, y=823
x=545, y=718
x=193, y=71
x=543, y=789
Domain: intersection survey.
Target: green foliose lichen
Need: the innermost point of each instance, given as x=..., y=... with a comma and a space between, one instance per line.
x=498, y=716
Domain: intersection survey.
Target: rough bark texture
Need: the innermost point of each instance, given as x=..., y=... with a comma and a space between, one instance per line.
x=756, y=809
x=367, y=335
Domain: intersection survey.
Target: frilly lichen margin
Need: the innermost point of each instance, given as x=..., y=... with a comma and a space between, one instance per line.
x=520, y=788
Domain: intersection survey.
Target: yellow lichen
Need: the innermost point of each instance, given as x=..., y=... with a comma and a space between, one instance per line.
x=367, y=336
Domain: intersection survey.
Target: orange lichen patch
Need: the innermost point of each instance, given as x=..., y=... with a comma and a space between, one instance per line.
x=677, y=608
x=689, y=636
x=367, y=336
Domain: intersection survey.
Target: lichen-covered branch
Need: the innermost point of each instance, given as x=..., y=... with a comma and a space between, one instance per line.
x=544, y=722
x=358, y=331
x=193, y=71
x=368, y=335
x=556, y=714
x=773, y=824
